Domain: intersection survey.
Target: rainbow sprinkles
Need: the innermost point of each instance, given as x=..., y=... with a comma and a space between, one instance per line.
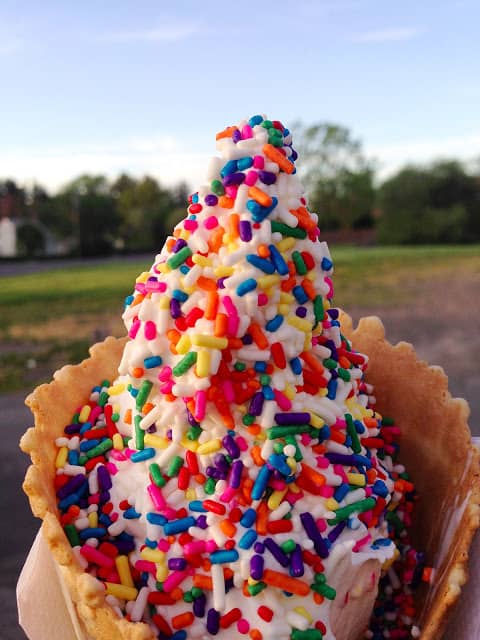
x=235, y=480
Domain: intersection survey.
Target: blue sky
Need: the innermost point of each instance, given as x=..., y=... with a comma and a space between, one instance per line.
x=144, y=86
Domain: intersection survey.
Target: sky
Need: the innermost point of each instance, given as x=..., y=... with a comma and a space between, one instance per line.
x=142, y=87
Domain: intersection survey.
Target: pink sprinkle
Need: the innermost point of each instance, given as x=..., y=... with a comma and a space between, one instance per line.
x=281, y=399
x=190, y=225
x=340, y=471
x=293, y=497
x=247, y=132
x=262, y=299
x=163, y=545
x=329, y=282
x=200, y=405
x=259, y=162
x=322, y=463
x=156, y=497
x=243, y=626
x=167, y=387
x=228, y=390
x=128, y=452
x=233, y=323
x=278, y=485
x=113, y=577
x=321, y=524
x=228, y=494
x=173, y=580
x=210, y=222
x=134, y=329
x=156, y=286
x=112, y=468
x=117, y=455
x=169, y=513
x=306, y=439
x=211, y=546
x=95, y=556
x=114, y=516
x=230, y=308
x=241, y=443
x=150, y=330
x=145, y=565
x=326, y=491
x=165, y=374
x=363, y=541
x=94, y=413
x=340, y=422
x=231, y=191
x=94, y=498
x=368, y=492
x=251, y=178
x=194, y=547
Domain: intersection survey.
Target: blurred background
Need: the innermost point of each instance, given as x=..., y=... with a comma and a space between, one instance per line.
x=108, y=115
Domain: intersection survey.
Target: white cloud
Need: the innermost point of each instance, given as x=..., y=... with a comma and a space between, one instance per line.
x=164, y=33
x=392, y=157
x=394, y=34
x=161, y=156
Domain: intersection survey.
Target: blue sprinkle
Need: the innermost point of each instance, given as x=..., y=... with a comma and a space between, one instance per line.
x=341, y=492
x=152, y=544
x=105, y=520
x=258, y=212
x=144, y=454
x=180, y=295
x=195, y=198
x=268, y=393
x=152, y=362
x=129, y=300
x=261, y=263
x=134, y=392
x=247, y=540
x=197, y=505
x=85, y=427
x=300, y=295
x=296, y=366
x=380, y=488
x=279, y=263
x=260, y=367
x=131, y=514
x=86, y=445
x=332, y=389
x=92, y=532
x=326, y=264
x=184, y=269
x=248, y=518
x=247, y=285
x=274, y=323
x=73, y=457
x=324, y=433
x=224, y=555
x=278, y=462
x=67, y=502
x=178, y=526
x=261, y=482
x=244, y=163
x=255, y=120
x=254, y=207
x=230, y=167
x=156, y=518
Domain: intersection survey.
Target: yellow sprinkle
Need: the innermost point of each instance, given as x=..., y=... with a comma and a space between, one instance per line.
x=331, y=504
x=123, y=569
x=117, y=442
x=252, y=581
x=164, y=303
x=116, y=389
x=121, y=591
x=191, y=445
x=291, y=463
x=307, y=345
x=300, y=324
x=322, y=392
x=163, y=267
x=311, y=275
x=62, y=457
x=304, y=613
x=222, y=271
x=293, y=488
x=286, y=298
x=162, y=572
x=231, y=245
x=284, y=309
x=315, y=420
x=203, y=261
x=152, y=555
x=211, y=342
x=275, y=499
x=265, y=282
x=184, y=235
x=84, y=413
x=209, y=447
x=356, y=479
x=290, y=391
x=143, y=277
x=93, y=519
x=184, y=344
x=190, y=494
x=202, y=368
x=157, y=442
x=286, y=244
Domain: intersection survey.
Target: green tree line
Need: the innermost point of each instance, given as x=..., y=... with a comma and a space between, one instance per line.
x=436, y=203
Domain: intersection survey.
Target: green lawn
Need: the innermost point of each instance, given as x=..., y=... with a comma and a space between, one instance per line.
x=50, y=318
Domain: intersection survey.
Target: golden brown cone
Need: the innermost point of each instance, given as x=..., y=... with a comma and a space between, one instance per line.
x=436, y=450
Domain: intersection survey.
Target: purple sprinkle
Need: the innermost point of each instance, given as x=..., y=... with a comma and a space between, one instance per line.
x=217, y=474
x=256, y=404
x=247, y=339
x=267, y=177
x=179, y=244
x=231, y=446
x=313, y=533
x=221, y=463
x=213, y=621
x=191, y=420
x=301, y=312
x=211, y=200
x=245, y=230
x=71, y=486
x=341, y=458
x=279, y=555
x=236, y=474
x=104, y=480
x=234, y=179
x=104, y=497
x=256, y=567
x=336, y=531
x=237, y=136
x=175, y=309
x=72, y=428
x=177, y=564
x=151, y=429
x=259, y=547
x=296, y=562
x=292, y=418
x=202, y=522
x=199, y=606
x=220, y=283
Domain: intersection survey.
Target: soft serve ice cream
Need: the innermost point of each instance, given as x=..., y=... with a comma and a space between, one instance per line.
x=235, y=480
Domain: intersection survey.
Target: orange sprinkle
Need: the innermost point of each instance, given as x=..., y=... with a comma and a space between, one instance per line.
x=202, y=581
x=169, y=397
x=261, y=524
x=427, y=574
x=226, y=202
x=138, y=299
x=337, y=436
x=226, y=133
x=170, y=243
x=344, y=362
x=183, y=620
x=235, y=343
x=275, y=155
x=147, y=407
x=254, y=429
x=176, y=233
x=309, y=288
x=245, y=590
x=200, y=478
x=371, y=476
x=207, y=284
x=370, y=423
x=288, y=284
x=304, y=218
x=228, y=528
x=312, y=474
x=255, y=634
x=221, y=324
x=215, y=239
x=127, y=418
x=173, y=335
x=318, y=598
x=312, y=361
x=211, y=305
x=263, y=251
x=176, y=594
x=233, y=221
x=260, y=196
x=319, y=449
x=285, y=582
x=258, y=336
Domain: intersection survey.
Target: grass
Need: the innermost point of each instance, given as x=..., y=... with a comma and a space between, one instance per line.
x=50, y=318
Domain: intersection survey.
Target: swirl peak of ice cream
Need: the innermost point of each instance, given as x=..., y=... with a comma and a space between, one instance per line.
x=240, y=473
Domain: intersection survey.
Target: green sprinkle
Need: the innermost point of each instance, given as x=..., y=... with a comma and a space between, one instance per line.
x=344, y=374
x=330, y=363
x=194, y=432
x=209, y=486
x=156, y=475
x=286, y=230
x=188, y=596
x=139, y=433
x=255, y=589
x=72, y=535
x=267, y=124
x=75, y=418
x=394, y=520
x=292, y=440
x=308, y=634
x=185, y=363
x=288, y=546
x=387, y=422
x=299, y=263
x=265, y=379
x=356, y=507
x=196, y=592
x=100, y=449
x=179, y=258
x=287, y=430
x=324, y=590
x=115, y=417
x=143, y=394
x=82, y=459
x=174, y=467
x=217, y=187
x=239, y=366
x=352, y=432
x=318, y=309
x=103, y=398
x=248, y=419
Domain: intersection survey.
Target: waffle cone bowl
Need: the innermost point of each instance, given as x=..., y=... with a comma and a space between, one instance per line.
x=435, y=448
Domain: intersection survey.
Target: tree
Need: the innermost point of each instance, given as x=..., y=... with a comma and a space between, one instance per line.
x=339, y=178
